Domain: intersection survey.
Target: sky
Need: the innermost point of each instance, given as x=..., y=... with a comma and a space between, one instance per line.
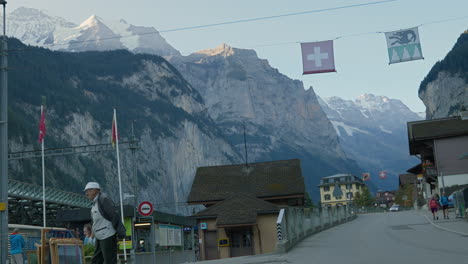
x=360, y=48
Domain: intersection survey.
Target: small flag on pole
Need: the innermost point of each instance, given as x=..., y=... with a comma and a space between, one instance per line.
x=114, y=131
x=382, y=175
x=42, y=126
x=366, y=176
x=317, y=57
x=403, y=45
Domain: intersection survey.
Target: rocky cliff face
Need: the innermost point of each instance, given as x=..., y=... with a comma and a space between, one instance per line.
x=372, y=130
x=444, y=91
x=282, y=119
x=176, y=134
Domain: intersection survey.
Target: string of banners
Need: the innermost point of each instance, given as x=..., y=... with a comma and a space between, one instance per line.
x=402, y=45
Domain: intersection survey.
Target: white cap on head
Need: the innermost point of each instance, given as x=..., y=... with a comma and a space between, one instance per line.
x=92, y=185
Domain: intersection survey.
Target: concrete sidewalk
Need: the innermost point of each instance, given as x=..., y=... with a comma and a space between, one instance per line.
x=454, y=225
x=256, y=259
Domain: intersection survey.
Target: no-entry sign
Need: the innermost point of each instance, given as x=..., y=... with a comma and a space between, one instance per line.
x=145, y=208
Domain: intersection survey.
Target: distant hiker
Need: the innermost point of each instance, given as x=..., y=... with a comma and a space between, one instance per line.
x=434, y=205
x=444, y=201
x=107, y=225
x=17, y=245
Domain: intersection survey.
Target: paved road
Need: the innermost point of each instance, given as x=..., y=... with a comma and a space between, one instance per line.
x=402, y=237
x=384, y=238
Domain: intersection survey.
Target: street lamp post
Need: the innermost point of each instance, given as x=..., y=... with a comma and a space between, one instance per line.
x=3, y=145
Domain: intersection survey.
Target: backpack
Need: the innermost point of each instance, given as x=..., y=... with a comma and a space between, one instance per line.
x=433, y=203
x=444, y=200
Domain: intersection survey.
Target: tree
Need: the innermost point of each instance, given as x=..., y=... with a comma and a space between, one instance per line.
x=364, y=198
x=308, y=201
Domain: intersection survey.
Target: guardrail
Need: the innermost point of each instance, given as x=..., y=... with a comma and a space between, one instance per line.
x=294, y=224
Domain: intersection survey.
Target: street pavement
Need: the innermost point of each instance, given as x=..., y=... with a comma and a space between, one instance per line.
x=398, y=237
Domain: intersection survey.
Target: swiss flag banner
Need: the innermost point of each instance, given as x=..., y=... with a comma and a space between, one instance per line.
x=382, y=174
x=317, y=57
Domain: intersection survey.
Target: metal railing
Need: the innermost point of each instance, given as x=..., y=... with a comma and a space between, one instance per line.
x=294, y=224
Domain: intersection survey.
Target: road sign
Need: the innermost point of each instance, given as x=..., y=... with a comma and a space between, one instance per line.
x=145, y=208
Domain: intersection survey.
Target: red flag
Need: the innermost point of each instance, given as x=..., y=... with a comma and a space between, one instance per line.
x=317, y=57
x=114, y=131
x=42, y=126
x=382, y=174
x=366, y=176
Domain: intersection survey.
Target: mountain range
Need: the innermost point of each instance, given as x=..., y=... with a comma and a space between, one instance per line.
x=34, y=27
x=372, y=130
x=209, y=99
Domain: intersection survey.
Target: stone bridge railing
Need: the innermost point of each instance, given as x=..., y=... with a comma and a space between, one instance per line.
x=294, y=224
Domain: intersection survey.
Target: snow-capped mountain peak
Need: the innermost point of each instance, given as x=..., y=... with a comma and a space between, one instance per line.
x=372, y=129
x=35, y=27
x=90, y=22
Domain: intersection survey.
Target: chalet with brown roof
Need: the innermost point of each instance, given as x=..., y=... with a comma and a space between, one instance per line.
x=441, y=145
x=243, y=203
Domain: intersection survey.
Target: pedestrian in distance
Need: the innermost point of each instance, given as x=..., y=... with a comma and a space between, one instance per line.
x=107, y=225
x=434, y=206
x=17, y=245
x=89, y=238
x=444, y=201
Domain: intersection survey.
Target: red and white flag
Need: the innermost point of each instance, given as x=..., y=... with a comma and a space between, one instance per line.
x=382, y=174
x=42, y=126
x=318, y=57
x=366, y=176
x=114, y=130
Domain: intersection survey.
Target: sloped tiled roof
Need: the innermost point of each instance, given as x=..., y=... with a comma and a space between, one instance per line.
x=420, y=131
x=237, y=210
x=265, y=179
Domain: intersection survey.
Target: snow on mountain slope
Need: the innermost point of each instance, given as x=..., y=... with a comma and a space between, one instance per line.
x=35, y=27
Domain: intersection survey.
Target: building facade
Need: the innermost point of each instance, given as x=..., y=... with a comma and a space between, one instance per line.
x=441, y=145
x=339, y=189
x=242, y=205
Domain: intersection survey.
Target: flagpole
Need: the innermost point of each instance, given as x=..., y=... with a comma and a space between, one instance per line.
x=43, y=177
x=120, y=180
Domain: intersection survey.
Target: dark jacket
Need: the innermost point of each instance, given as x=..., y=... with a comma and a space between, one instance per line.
x=110, y=212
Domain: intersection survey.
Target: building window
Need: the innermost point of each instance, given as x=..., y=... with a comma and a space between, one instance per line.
x=327, y=197
x=349, y=195
x=357, y=187
x=349, y=186
x=337, y=179
x=325, y=181
x=326, y=188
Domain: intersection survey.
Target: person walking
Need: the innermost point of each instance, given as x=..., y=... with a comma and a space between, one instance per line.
x=17, y=245
x=434, y=205
x=107, y=225
x=444, y=201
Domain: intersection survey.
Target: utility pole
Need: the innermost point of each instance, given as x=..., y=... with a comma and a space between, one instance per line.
x=3, y=145
x=245, y=146
x=135, y=199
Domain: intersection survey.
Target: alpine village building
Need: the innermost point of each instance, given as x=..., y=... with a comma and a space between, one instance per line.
x=242, y=205
x=339, y=189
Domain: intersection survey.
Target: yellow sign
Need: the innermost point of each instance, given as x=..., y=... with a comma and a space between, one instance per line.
x=128, y=244
x=2, y=207
x=420, y=176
